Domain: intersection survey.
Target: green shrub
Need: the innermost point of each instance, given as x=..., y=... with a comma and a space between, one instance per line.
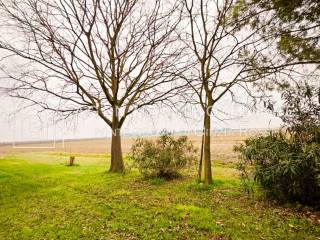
x=164, y=157
x=285, y=167
x=286, y=163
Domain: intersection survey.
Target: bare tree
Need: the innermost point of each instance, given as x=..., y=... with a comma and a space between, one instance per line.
x=107, y=57
x=227, y=53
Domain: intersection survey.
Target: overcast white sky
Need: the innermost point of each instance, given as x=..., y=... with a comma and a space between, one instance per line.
x=26, y=126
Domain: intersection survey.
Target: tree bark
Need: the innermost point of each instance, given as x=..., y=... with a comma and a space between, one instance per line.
x=207, y=150
x=117, y=164
x=201, y=159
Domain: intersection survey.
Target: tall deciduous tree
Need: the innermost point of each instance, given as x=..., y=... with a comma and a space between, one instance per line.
x=227, y=52
x=107, y=57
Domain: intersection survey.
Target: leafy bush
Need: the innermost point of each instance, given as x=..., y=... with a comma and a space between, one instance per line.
x=286, y=164
x=285, y=169
x=164, y=157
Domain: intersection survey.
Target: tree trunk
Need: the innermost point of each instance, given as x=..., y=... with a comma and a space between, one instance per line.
x=201, y=159
x=117, y=164
x=207, y=151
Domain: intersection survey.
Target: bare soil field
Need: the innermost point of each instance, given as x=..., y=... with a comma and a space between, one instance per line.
x=222, y=145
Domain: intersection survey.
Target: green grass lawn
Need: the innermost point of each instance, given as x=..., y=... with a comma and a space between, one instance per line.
x=42, y=198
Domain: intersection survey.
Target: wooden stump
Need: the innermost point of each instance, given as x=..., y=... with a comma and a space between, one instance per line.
x=71, y=160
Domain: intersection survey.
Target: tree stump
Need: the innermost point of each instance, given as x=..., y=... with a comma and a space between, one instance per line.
x=71, y=160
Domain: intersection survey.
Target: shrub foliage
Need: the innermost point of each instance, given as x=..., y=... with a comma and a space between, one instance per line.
x=285, y=168
x=163, y=157
x=286, y=164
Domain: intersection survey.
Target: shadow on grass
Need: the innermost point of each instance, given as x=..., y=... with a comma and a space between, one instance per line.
x=74, y=165
x=199, y=186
